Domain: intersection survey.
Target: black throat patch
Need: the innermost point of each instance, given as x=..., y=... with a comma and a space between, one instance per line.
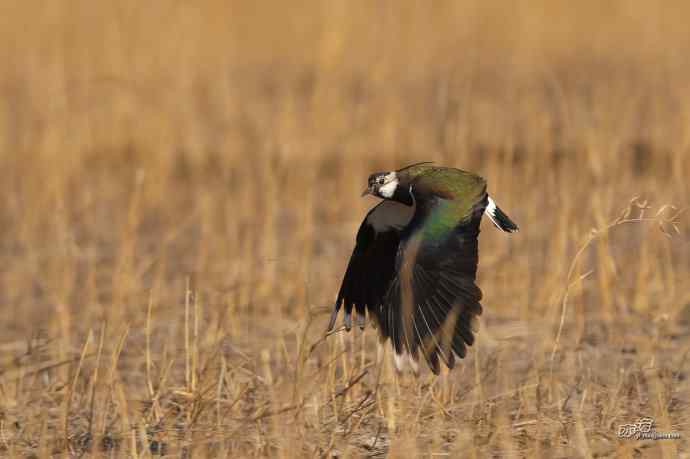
x=403, y=195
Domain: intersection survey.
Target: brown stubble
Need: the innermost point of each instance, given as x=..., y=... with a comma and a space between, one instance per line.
x=180, y=196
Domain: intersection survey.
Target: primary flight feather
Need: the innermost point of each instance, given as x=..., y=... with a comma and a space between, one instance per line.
x=414, y=265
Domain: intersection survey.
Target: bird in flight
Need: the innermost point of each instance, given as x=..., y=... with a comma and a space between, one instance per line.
x=414, y=265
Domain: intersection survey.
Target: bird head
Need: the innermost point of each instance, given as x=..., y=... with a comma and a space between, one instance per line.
x=382, y=185
x=394, y=185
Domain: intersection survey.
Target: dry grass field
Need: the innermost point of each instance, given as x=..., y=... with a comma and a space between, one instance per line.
x=180, y=194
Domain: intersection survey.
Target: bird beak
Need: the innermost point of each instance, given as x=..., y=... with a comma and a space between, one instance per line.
x=366, y=192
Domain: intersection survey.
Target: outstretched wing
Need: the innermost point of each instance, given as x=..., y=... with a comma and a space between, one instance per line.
x=433, y=300
x=372, y=264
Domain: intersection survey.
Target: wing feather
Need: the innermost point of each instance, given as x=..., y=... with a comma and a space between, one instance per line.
x=444, y=297
x=372, y=265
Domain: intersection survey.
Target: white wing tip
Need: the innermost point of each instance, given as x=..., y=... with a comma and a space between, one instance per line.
x=490, y=212
x=498, y=218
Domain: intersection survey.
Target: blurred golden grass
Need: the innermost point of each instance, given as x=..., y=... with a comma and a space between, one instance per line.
x=180, y=196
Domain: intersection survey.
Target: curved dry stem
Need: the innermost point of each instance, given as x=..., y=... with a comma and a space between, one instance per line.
x=667, y=218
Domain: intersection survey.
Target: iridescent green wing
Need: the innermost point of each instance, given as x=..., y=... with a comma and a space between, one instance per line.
x=433, y=300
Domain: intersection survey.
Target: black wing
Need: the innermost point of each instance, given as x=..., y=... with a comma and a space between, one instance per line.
x=433, y=301
x=372, y=264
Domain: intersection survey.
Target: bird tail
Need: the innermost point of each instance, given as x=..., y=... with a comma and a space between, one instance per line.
x=499, y=218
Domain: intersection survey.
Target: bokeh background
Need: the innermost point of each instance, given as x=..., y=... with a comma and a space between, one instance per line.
x=180, y=193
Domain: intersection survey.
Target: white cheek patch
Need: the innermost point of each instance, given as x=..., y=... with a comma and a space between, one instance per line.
x=388, y=190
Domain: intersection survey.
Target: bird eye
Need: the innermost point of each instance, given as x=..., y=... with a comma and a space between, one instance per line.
x=380, y=180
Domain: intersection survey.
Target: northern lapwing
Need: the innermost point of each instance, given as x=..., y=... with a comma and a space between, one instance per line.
x=414, y=264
